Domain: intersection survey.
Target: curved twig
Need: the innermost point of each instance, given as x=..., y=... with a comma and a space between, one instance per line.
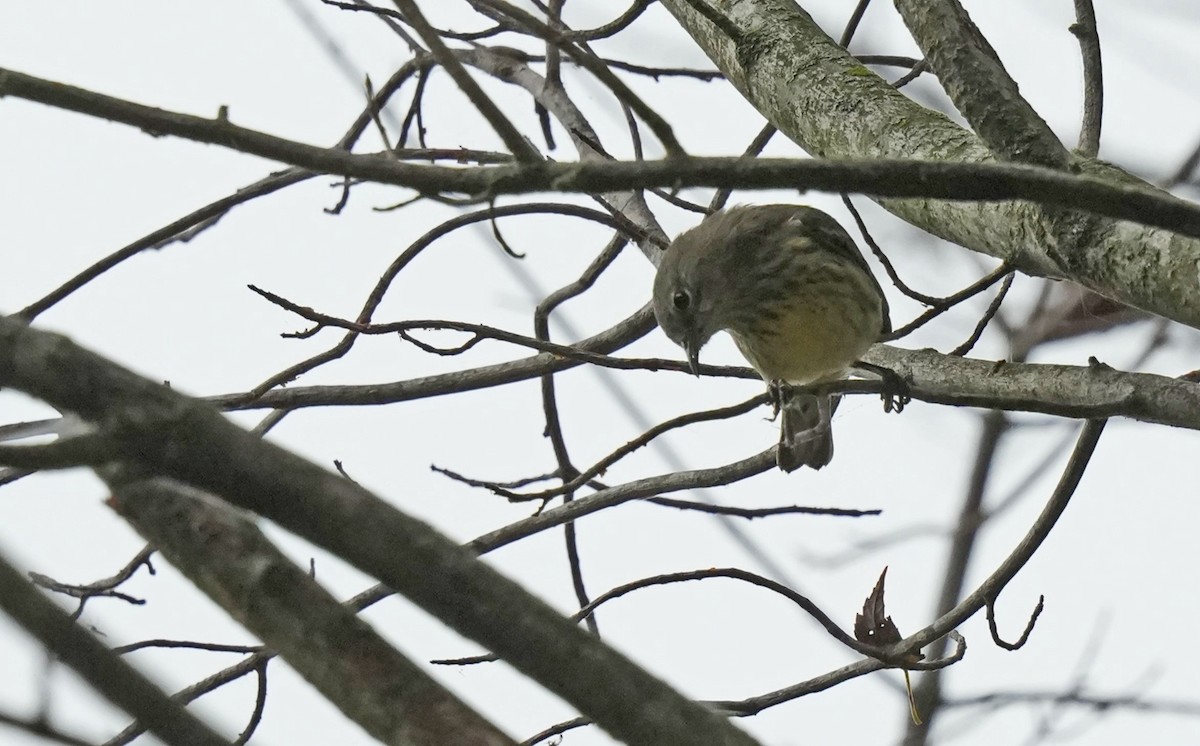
x=991, y=618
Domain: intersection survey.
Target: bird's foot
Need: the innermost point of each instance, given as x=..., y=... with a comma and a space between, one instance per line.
x=779, y=393
x=895, y=393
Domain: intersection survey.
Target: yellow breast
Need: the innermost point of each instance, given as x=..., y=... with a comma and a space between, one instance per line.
x=814, y=339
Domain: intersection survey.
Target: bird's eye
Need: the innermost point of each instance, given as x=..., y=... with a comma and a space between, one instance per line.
x=681, y=300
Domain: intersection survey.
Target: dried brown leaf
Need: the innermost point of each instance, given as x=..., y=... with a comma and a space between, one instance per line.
x=873, y=626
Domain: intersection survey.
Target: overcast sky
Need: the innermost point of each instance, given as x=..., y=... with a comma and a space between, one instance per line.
x=1117, y=572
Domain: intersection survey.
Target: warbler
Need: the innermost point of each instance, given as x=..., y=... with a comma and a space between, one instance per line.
x=792, y=289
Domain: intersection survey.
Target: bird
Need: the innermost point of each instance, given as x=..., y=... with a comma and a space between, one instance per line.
x=795, y=293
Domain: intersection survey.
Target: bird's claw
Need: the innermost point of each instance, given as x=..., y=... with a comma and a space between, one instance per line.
x=779, y=392
x=895, y=391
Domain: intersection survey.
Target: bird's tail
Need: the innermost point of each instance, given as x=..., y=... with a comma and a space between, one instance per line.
x=806, y=437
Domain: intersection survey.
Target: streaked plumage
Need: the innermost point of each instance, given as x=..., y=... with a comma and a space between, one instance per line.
x=791, y=288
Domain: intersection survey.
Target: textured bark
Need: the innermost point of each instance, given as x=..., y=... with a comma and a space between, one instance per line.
x=834, y=107
x=228, y=558
x=171, y=435
x=982, y=90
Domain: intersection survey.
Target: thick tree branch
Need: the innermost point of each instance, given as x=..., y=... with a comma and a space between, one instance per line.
x=833, y=107
x=1128, y=199
x=1062, y=390
x=1151, y=269
x=114, y=679
x=231, y=560
x=189, y=441
x=982, y=90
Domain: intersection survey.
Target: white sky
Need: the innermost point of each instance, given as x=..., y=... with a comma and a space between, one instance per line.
x=1116, y=571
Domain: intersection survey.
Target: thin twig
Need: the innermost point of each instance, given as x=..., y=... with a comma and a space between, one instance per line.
x=642, y=440
x=189, y=226
x=479, y=332
x=991, y=588
x=950, y=301
x=988, y=314
x=260, y=706
x=1085, y=31
x=595, y=66
x=369, y=89
x=111, y=677
x=992, y=627
x=415, y=111
x=512, y=138
x=615, y=26
x=888, y=60
x=641, y=488
x=902, y=286
x=554, y=431
x=106, y=587
x=752, y=150
x=760, y=512
x=553, y=74
x=852, y=24
x=927, y=694
x=393, y=270
x=210, y=647
x=732, y=573
x=555, y=730
x=917, y=70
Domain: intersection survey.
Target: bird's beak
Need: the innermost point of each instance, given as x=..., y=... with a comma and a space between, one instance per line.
x=692, y=349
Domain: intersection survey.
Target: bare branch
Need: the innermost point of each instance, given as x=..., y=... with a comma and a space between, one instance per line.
x=234, y=563
x=962, y=181
x=1021, y=554
x=187, y=227
x=1033, y=617
x=988, y=314
x=106, y=587
x=1085, y=31
x=111, y=677
x=42, y=730
x=684, y=480
x=181, y=438
x=513, y=139
x=593, y=65
x=975, y=79
x=790, y=70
